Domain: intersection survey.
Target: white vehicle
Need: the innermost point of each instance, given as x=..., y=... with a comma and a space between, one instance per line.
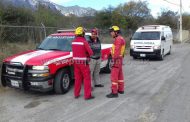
x=151, y=41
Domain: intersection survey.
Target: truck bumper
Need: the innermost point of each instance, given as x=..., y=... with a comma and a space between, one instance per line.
x=36, y=85
x=41, y=84
x=154, y=54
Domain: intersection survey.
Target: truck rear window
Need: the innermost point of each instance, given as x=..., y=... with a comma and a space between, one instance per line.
x=146, y=36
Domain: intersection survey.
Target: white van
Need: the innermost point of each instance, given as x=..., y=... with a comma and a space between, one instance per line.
x=151, y=41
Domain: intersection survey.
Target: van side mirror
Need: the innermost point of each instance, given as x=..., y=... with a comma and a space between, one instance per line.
x=163, y=38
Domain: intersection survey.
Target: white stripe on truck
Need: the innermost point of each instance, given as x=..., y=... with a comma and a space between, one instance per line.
x=25, y=57
x=59, y=59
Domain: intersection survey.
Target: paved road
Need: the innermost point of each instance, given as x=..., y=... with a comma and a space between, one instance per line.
x=155, y=91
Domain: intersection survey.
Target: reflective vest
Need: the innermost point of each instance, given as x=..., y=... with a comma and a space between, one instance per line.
x=118, y=47
x=81, y=49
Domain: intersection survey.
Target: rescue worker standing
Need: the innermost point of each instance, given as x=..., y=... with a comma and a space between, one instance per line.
x=81, y=53
x=117, y=52
x=95, y=61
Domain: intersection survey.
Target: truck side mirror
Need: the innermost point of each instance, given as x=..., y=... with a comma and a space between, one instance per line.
x=37, y=45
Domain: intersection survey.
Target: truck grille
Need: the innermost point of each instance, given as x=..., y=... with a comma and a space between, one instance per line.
x=14, y=70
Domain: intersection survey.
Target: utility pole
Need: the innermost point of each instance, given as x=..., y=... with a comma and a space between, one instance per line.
x=181, y=21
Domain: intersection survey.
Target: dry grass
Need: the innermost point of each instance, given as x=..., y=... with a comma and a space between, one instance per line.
x=8, y=49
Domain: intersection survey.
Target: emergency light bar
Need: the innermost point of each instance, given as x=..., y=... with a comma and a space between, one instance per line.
x=65, y=30
x=68, y=30
x=150, y=27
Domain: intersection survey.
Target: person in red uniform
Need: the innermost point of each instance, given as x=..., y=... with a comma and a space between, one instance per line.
x=81, y=54
x=118, y=49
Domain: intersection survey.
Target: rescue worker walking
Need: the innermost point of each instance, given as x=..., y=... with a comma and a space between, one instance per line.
x=117, y=52
x=95, y=61
x=81, y=53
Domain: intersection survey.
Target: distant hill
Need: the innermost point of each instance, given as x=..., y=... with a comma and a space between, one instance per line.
x=32, y=4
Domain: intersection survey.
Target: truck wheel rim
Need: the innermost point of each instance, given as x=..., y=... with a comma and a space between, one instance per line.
x=65, y=81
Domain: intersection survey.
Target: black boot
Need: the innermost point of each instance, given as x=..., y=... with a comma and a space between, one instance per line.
x=99, y=85
x=111, y=95
x=121, y=92
x=92, y=97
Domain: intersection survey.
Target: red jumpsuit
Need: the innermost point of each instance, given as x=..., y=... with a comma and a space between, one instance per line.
x=117, y=77
x=81, y=53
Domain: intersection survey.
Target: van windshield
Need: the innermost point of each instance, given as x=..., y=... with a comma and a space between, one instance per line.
x=146, y=36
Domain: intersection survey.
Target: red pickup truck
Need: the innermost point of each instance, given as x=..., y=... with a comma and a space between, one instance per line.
x=49, y=67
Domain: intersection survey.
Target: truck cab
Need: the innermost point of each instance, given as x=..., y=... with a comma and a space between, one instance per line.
x=48, y=67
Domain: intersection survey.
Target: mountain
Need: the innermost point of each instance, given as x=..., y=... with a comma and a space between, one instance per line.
x=32, y=4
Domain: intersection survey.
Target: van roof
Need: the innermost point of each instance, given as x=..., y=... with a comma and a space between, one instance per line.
x=152, y=28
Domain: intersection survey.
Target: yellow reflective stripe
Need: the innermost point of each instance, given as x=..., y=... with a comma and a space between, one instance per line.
x=120, y=81
x=122, y=50
x=113, y=49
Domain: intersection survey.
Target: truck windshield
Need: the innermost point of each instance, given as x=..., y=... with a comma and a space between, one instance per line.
x=62, y=43
x=146, y=36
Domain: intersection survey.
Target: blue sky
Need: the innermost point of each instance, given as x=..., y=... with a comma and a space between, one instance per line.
x=154, y=5
x=97, y=4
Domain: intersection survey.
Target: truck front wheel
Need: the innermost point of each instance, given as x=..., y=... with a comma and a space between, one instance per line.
x=62, y=81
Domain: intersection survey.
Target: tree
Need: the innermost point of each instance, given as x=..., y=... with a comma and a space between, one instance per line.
x=169, y=18
x=186, y=21
x=103, y=18
x=17, y=16
x=46, y=16
x=135, y=13
x=118, y=19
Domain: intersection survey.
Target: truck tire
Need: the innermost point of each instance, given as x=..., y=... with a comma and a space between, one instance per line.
x=62, y=81
x=107, y=69
x=3, y=80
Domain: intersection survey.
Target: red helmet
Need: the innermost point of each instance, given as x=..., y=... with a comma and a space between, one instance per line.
x=94, y=31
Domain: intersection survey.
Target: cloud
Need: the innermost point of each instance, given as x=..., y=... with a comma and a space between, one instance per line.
x=174, y=5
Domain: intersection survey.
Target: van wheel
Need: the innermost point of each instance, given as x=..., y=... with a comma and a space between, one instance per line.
x=62, y=81
x=170, y=50
x=161, y=57
x=107, y=69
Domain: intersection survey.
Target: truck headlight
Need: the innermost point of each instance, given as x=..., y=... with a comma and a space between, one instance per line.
x=39, y=71
x=40, y=68
x=157, y=47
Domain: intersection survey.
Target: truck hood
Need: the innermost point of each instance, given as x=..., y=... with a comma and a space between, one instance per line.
x=39, y=57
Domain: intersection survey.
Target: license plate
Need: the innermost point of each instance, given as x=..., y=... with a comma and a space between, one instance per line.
x=34, y=83
x=142, y=55
x=14, y=83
